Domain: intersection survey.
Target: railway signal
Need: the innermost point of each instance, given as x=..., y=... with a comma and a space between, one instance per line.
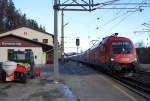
x=77, y=43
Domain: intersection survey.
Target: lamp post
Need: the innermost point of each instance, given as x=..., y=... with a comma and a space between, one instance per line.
x=62, y=36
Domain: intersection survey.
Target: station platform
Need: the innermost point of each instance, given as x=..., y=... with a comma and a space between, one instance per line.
x=90, y=85
x=78, y=82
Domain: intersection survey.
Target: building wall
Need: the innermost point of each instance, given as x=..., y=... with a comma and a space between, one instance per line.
x=30, y=34
x=36, y=50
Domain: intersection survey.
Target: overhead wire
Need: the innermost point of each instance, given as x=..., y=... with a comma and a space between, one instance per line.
x=116, y=17
x=113, y=19
x=124, y=7
x=124, y=18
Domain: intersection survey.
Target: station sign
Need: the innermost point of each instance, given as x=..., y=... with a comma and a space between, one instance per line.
x=10, y=44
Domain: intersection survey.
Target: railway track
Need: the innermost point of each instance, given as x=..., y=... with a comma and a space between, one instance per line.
x=135, y=84
x=145, y=73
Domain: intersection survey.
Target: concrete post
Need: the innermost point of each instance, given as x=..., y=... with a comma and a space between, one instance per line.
x=56, y=65
x=62, y=37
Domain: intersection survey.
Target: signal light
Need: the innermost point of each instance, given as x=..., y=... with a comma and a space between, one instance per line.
x=77, y=42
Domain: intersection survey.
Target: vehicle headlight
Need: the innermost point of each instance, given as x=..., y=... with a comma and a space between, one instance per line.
x=112, y=59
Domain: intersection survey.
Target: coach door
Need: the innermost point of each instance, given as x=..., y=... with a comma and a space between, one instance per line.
x=102, y=53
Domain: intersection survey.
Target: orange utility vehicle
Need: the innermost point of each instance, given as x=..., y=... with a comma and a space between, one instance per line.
x=19, y=67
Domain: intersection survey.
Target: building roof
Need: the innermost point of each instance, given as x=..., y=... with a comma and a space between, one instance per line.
x=45, y=46
x=29, y=28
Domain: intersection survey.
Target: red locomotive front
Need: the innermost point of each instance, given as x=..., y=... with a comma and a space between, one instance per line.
x=121, y=50
x=114, y=54
x=121, y=55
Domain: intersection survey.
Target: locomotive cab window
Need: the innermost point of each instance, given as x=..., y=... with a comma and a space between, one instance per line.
x=119, y=47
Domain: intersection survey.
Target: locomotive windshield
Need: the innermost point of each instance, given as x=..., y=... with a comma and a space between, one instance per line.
x=120, y=47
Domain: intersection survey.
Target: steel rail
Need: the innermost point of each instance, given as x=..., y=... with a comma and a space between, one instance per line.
x=137, y=86
x=145, y=73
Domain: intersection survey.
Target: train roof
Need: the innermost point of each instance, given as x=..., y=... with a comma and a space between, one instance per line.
x=118, y=38
x=114, y=37
x=111, y=37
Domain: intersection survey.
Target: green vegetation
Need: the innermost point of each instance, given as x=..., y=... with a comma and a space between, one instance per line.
x=11, y=18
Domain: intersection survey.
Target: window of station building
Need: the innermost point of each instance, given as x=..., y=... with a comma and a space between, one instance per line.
x=11, y=55
x=45, y=40
x=28, y=50
x=35, y=39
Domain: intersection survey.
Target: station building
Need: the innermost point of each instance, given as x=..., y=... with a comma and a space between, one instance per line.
x=27, y=38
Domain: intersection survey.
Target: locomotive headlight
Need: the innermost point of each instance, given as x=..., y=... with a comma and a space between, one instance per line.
x=112, y=59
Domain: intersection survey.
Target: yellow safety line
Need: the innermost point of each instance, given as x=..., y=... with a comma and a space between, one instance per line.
x=124, y=92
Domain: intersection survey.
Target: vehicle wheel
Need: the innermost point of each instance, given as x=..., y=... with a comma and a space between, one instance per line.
x=23, y=78
x=3, y=76
x=32, y=75
x=110, y=68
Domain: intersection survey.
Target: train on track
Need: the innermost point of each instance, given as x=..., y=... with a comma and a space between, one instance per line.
x=113, y=54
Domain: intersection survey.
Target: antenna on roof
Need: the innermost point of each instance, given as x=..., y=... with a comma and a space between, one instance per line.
x=115, y=34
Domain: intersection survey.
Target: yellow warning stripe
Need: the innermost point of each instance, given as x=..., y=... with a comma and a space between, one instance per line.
x=124, y=92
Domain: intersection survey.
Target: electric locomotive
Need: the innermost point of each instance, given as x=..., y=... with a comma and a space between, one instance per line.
x=113, y=54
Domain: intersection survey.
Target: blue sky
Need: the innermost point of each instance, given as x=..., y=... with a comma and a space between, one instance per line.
x=84, y=24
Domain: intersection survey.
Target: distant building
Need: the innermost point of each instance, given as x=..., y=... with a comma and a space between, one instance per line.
x=32, y=34
x=26, y=38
